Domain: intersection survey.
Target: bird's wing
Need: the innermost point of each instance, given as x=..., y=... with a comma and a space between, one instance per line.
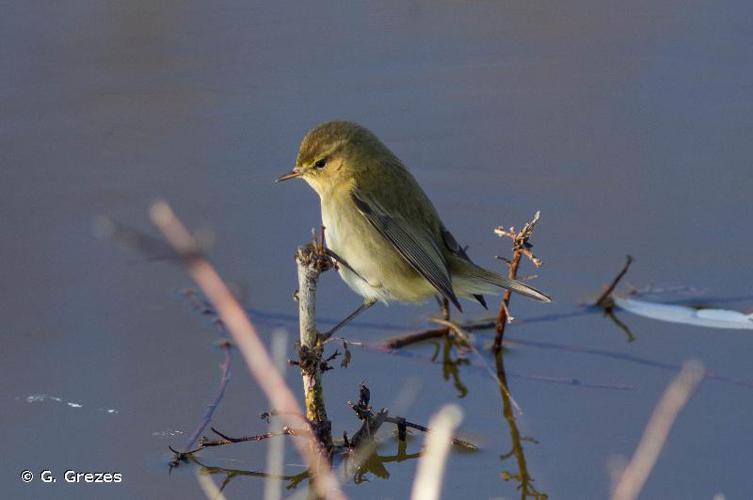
x=415, y=244
x=451, y=244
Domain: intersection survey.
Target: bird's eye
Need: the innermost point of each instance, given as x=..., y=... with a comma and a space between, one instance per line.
x=320, y=163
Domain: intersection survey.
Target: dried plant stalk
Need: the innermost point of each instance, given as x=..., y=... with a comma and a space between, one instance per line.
x=276, y=447
x=431, y=467
x=308, y=277
x=520, y=247
x=672, y=402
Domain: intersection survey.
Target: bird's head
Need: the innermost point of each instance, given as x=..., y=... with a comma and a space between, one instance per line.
x=335, y=153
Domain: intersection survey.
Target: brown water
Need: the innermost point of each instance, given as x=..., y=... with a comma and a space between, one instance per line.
x=627, y=125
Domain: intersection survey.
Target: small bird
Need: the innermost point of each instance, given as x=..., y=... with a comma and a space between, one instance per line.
x=380, y=222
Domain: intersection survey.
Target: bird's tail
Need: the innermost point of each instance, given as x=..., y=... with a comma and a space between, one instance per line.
x=469, y=279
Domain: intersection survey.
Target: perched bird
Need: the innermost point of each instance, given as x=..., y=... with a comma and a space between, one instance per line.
x=381, y=223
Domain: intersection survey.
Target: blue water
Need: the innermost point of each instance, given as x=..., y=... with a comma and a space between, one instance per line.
x=627, y=125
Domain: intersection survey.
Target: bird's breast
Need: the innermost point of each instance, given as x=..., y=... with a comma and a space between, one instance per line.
x=382, y=273
x=349, y=234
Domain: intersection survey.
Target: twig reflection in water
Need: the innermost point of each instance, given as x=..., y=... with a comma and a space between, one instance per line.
x=522, y=477
x=605, y=302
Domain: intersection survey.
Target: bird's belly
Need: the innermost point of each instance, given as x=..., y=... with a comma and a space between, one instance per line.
x=382, y=273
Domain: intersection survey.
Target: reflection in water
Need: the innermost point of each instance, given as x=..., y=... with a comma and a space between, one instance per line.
x=230, y=474
x=449, y=365
x=353, y=467
x=609, y=313
x=522, y=477
x=375, y=463
x=450, y=368
x=274, y=320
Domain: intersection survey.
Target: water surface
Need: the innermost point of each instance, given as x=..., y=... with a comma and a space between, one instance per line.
x=628, y=126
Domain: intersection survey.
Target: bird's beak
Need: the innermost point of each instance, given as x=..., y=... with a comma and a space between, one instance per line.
x=290, y=175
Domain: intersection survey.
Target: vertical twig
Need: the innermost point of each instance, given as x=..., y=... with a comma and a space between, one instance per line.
x=503, y=315
x=433, y=461
x=311, y=262
x=605, y=299
x=520, y=247
x=212, y=407
x=672, y=402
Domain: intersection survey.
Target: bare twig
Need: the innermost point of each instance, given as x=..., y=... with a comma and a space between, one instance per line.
x=226, y=346
x=672, y=402
x=605, y=302
x=312, y=261
x=413, y=338
x=365, y=412
x=605, y=299
x=520, y=247
x=431, y=467
x=158, y=250
x=246, y=339
x=212, y=407
x=435, y=333
x=460, y=334
x=225, y=439
x=205, y=442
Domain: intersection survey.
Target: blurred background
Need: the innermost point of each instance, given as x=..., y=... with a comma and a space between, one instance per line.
x=627, y=124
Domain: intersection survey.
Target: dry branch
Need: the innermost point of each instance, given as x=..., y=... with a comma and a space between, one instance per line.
x=365, y=413
x=672, y=402
x=520, y=247
x=605, y=299
x=413, y=338
x=312, y=261
x=605, y=302
x=226, y=347
x=431, y=467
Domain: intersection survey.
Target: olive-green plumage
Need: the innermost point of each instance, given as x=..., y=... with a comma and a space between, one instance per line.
x=381, y=223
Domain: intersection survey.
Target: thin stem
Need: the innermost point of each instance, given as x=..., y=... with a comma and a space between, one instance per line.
x=605, y=299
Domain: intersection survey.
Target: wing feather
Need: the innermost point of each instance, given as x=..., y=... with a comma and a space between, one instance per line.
x=452, y=245
x=417, y=248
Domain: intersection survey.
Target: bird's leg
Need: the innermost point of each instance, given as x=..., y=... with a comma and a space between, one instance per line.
x=367, y=303
x=444, y=307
